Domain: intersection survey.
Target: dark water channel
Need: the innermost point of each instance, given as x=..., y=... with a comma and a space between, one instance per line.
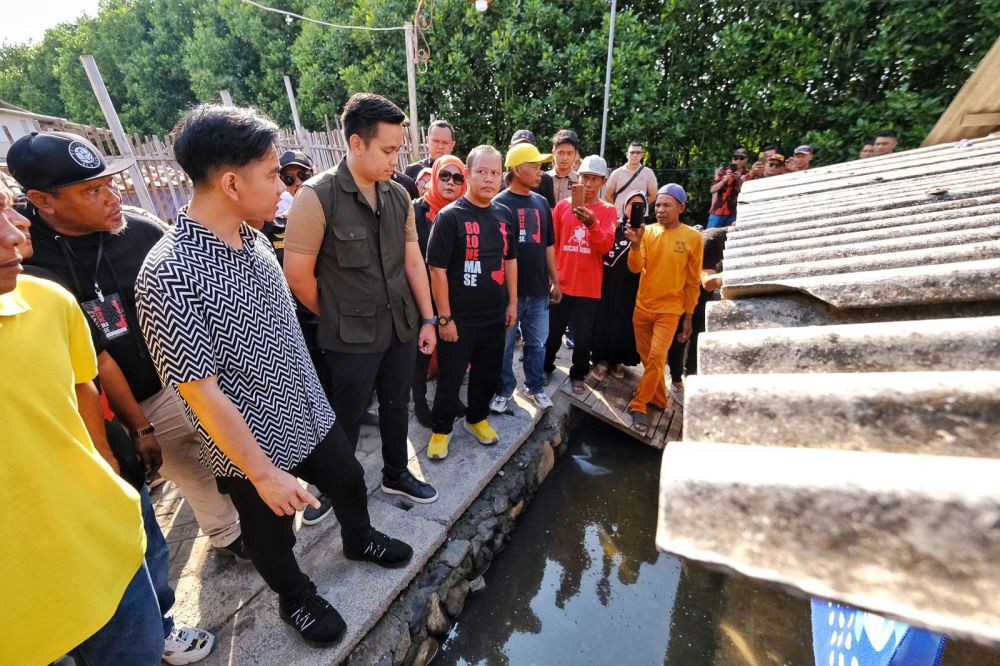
x=581, y=581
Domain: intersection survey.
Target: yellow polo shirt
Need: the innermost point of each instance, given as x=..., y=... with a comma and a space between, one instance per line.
x=669, y=261
x=71, y=536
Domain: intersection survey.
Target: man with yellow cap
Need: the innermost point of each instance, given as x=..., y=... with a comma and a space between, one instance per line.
x=538, y=278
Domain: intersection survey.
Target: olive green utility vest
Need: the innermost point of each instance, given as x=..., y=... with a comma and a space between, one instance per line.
x=365, y=298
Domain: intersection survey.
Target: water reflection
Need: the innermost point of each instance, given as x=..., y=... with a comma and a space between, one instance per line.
x=582, y=582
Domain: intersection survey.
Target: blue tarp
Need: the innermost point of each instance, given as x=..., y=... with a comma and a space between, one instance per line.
x=845, y=636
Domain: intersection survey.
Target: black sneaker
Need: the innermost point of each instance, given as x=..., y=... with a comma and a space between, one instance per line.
x=237, y=549
x=311, y=515
x=382, y=550
x=411, y=487
x=313, y=617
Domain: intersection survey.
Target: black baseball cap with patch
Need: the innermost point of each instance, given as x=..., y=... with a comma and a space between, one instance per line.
x=294, y=157
x=522, y=136
x=50, y=160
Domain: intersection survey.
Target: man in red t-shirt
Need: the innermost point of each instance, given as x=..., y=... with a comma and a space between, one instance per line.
x=583, y=234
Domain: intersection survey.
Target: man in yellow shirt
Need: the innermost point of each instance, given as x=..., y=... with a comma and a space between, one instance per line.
x=78, y=584
x=667, y=255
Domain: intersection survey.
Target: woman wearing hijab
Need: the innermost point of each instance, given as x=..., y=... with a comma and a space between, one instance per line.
x=614, y=340
x=447, y=184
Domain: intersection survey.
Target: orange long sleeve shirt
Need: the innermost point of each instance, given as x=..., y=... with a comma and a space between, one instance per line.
x=669, y=262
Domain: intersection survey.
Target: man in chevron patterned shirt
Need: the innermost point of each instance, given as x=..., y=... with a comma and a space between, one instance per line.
x=220, y=324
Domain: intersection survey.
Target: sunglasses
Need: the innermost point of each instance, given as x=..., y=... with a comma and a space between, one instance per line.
x=739, y=157
x=447, y=176
x=289, y=178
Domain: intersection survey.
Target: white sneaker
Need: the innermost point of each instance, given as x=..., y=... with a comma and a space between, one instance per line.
x=540, y=399
x=499, y=404
x=677, y=393
x=186, y=645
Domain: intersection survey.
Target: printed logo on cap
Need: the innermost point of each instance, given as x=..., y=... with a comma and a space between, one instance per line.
x=83, y=155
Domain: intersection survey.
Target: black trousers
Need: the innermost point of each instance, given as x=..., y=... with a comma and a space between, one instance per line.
x=479, y=348
x=682, y=358
x=420, y=367
x=269, y=538
x=579, y=312
x=389, y=374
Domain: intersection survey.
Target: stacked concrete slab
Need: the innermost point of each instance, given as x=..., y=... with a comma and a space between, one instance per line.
x=843, y=439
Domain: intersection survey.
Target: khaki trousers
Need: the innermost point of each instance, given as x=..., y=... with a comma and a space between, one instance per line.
x=180, y=442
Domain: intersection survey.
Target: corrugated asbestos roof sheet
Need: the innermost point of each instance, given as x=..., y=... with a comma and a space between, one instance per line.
x=843, y=439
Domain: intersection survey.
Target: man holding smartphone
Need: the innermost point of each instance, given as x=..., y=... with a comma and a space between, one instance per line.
x=667, y=256
x=584, y=231
x=726, y=189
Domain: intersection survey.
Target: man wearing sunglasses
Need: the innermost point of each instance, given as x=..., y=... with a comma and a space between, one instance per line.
x=296, y=168
x=726, y=189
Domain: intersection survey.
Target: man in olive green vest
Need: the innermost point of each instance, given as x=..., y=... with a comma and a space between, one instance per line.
x=351, y=256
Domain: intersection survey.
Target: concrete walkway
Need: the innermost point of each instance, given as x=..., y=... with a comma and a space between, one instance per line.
x=230, y=599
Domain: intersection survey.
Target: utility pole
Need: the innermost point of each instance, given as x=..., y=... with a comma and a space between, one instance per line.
x=227, y=99
x=411, y=81
x=295, y=108
x=607, y=76
x=117, y=131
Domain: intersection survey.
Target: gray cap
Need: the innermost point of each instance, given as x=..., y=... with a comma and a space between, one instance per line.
x=594, y=165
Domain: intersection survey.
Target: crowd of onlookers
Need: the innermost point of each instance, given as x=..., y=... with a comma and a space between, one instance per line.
x=240, y=348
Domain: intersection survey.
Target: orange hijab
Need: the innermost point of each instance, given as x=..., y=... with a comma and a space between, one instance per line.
x=435, y=201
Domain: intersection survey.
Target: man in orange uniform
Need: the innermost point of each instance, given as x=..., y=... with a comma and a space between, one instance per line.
x=667, y=256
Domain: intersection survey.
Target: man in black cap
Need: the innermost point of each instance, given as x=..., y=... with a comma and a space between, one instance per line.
x=546, y=187
x=296, y=168
x=85, y=241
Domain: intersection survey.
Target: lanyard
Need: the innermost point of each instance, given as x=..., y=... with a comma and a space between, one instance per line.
x=97, y=265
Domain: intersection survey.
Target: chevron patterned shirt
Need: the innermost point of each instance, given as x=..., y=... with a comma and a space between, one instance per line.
x=208, y=309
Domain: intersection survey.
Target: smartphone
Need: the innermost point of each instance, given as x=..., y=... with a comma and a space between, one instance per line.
x=577, y=193
x=636, y=213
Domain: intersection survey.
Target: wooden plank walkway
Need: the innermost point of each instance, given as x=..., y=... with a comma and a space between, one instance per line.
x=608, y=400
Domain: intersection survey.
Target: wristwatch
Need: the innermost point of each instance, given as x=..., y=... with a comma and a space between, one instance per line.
x=443, y=320
x=142, y=432
x=428, y=320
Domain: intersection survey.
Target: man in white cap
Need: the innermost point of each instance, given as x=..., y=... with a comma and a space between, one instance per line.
x=667, y=255
x=584, y=234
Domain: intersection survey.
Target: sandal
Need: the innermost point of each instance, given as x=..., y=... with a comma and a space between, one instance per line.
x=639, y=422
x=618, y=372
x=599, y=372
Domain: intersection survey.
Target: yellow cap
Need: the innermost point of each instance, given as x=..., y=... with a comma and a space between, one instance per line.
x=525, y=153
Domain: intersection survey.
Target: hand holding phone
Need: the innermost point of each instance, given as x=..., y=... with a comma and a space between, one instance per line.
x=635, y=214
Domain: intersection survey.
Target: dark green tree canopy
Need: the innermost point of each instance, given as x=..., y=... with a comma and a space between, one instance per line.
x=691, y=79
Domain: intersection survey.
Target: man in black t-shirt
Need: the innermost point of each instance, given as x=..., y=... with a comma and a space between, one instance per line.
x=545, y=186
x=536, y=276
x=471, y=254
x=682, y=358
